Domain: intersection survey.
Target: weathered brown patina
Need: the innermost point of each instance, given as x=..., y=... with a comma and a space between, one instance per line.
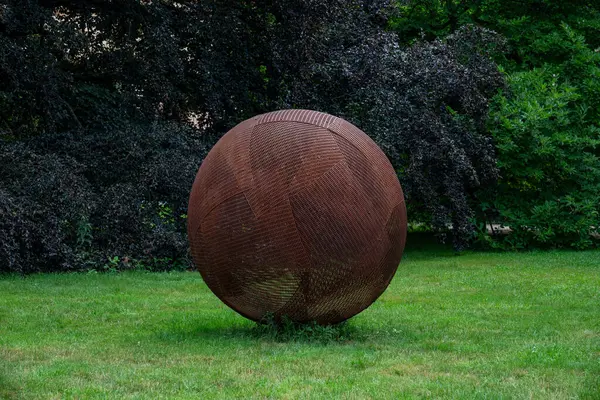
x=297, y=213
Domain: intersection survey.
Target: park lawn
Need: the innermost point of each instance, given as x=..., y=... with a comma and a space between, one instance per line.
x=478, y=325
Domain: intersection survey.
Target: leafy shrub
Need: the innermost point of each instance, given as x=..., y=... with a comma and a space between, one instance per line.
x=529, y=26
x=70, y=201
x=548, y=141
x=80, y=78
x=546, y=128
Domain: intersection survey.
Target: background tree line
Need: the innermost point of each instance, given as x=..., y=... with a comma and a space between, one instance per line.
x=489, y=111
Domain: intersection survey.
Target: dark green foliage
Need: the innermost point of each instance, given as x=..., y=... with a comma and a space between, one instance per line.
x=97, y=100
x=44, y=200
x=86, y=175
x=72, y=201
x=526, y=24
x=546, y=125
x=548, y=144
x=81, y=64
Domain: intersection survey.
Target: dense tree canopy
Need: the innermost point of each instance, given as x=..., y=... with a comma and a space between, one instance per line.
x=523, y=23
x=547, y=124
x=110, y=107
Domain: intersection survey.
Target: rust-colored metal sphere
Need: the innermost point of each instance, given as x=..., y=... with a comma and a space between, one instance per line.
x=297, y=213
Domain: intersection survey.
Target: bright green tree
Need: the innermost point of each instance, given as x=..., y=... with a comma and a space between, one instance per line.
x=546, y=124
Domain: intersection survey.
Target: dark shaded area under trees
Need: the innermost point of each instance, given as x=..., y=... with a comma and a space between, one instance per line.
x=107, y=109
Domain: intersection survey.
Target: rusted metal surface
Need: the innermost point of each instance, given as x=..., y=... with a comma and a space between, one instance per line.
x=297, y=213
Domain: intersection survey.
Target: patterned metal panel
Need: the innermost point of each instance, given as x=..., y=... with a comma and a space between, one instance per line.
x=297, y=213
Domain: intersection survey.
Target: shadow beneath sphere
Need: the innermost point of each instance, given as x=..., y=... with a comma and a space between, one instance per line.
x=202, y=329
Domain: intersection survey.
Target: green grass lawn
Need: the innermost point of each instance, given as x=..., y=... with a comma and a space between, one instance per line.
x=480, y=325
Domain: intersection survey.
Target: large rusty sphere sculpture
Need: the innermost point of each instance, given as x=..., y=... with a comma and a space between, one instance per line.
x=297, y=213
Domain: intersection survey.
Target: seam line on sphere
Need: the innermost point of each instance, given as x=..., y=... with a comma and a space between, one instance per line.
x=250, y=205
x=391, y=211
x=222, y=201
x=293, y=115
x=291, y=120
x=219, y=294
x=353, y=145
x=314, y=181
x=292, y=298
x=361, y=152
x=306, y=250
x=308, y=257
x=345, y=160
x=202, y=272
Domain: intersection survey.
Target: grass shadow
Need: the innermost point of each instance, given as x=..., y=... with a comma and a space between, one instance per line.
x=284, y=331
x=591, y=386
x=425, y=245
x=8, y=389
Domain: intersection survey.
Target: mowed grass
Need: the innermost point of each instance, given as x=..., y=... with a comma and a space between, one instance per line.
x=479, y=325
